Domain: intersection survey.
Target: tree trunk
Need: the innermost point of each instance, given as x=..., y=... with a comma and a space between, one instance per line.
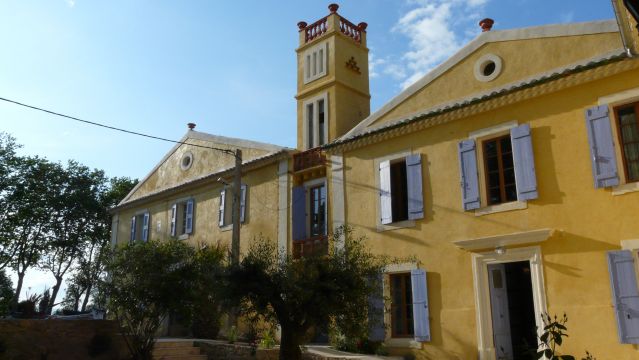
x=54, y=294
x=16, y=295
x=86, y=297
x=290, y=344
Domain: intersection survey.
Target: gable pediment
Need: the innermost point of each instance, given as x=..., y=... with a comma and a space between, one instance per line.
x=523, y=54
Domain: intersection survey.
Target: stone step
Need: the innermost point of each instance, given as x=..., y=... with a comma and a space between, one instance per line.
x=172, y=344
x=181, y=357
x=180, y=350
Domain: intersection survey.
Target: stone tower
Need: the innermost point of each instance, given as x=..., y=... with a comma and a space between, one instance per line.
x=332, y=79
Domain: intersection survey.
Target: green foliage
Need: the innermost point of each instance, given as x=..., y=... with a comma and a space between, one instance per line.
x=232, y=336
x=306, y=293
x=150, y=280
x=552, y=337
x=267, y=340
x=44, y=301
x=206, y=313
x=6, y=293
x=27, y=308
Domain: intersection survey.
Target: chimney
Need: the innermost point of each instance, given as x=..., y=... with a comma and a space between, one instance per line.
x=486, y=24
x=191, y=126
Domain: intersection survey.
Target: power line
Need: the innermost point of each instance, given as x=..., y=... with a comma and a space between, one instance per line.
x=227, y=151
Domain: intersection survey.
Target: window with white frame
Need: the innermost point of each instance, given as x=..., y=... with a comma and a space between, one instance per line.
x=497, y=166
x=140, y=227
x=316, y=121
x=182, y=219
x=400, y=195
x=225, y=213
x=315, y=62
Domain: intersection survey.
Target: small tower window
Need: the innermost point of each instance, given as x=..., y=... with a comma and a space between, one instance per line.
x=315, y=62
x=316, y=122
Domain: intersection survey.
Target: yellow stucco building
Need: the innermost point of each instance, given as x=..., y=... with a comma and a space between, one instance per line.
x=509, y=173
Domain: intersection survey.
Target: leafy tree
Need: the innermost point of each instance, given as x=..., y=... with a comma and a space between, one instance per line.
x=8, y=179
x=82, y=286
x=76, y=215
x=307, y=293
x=6, y=293
x=206, y=309
x=147, y=282
x=30, y=206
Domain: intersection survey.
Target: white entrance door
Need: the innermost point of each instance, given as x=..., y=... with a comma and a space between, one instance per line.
x=499, y=310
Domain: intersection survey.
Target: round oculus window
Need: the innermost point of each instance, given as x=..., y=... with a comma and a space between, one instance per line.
x=488, y=67
x=187, y=161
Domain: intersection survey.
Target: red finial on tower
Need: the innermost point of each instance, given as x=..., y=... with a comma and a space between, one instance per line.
x=486, y=24
x=333, y=8
x=302, y=25
x=191, y=126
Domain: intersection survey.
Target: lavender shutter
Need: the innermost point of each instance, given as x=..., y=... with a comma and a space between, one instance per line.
x=243, y=203
x=421, y=324
x=602, y=148
x=145, y=227
x=524, y=160
x=468, y=172
x=132, y=229
x=625, y=294
x=220, y=216
x=376, y=329
x=299, y=213
x=414, y=183
x=385, y=196
x=173, y=219
x=189, y=217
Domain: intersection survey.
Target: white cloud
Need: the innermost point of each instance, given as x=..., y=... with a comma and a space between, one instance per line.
x=435, y=29
x=70, y=3
x=373, y=65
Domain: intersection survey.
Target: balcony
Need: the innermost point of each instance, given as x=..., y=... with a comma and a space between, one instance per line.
x=308, y=159
x=314, y=246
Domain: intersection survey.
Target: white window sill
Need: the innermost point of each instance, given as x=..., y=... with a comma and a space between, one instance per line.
x=225, y=228
x=183, y=237
x=625, y=188
x=510, y=206
x=403, y=343
x=396, y=225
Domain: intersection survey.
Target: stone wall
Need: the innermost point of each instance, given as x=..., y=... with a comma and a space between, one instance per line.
x=60, y=339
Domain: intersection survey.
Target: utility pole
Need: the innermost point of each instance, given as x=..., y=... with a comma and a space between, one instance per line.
x=237, y=198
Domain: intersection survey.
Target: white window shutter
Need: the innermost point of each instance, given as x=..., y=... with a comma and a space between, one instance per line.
x=602, y=147
x=221, y=212
x=243, y=203
x=524, y=160
x=421, y=324
x=189, y=217
x=132, y=229
x=414, y=185
x=173, y=219
x=468, y=172
x=145, y=227
x=625, y=295
x=385, y=200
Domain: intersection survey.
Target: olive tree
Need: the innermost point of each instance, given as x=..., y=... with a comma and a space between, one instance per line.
x=303, y=294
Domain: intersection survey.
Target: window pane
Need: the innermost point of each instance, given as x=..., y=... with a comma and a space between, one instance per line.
x=314, y=63
x=401, y=305
x=321, y=60
x=629, y=133
x=310, y=122
x=320, y=109
x=399, y=191
x=490, y=148
x=308, y=66
x=318, y=210
x=500, y=172
x=633, y=170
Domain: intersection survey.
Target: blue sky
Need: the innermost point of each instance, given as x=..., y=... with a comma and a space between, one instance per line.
x=153, y=66
x=229, y=66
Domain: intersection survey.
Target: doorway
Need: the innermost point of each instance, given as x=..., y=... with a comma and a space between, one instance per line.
x=513, y=310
